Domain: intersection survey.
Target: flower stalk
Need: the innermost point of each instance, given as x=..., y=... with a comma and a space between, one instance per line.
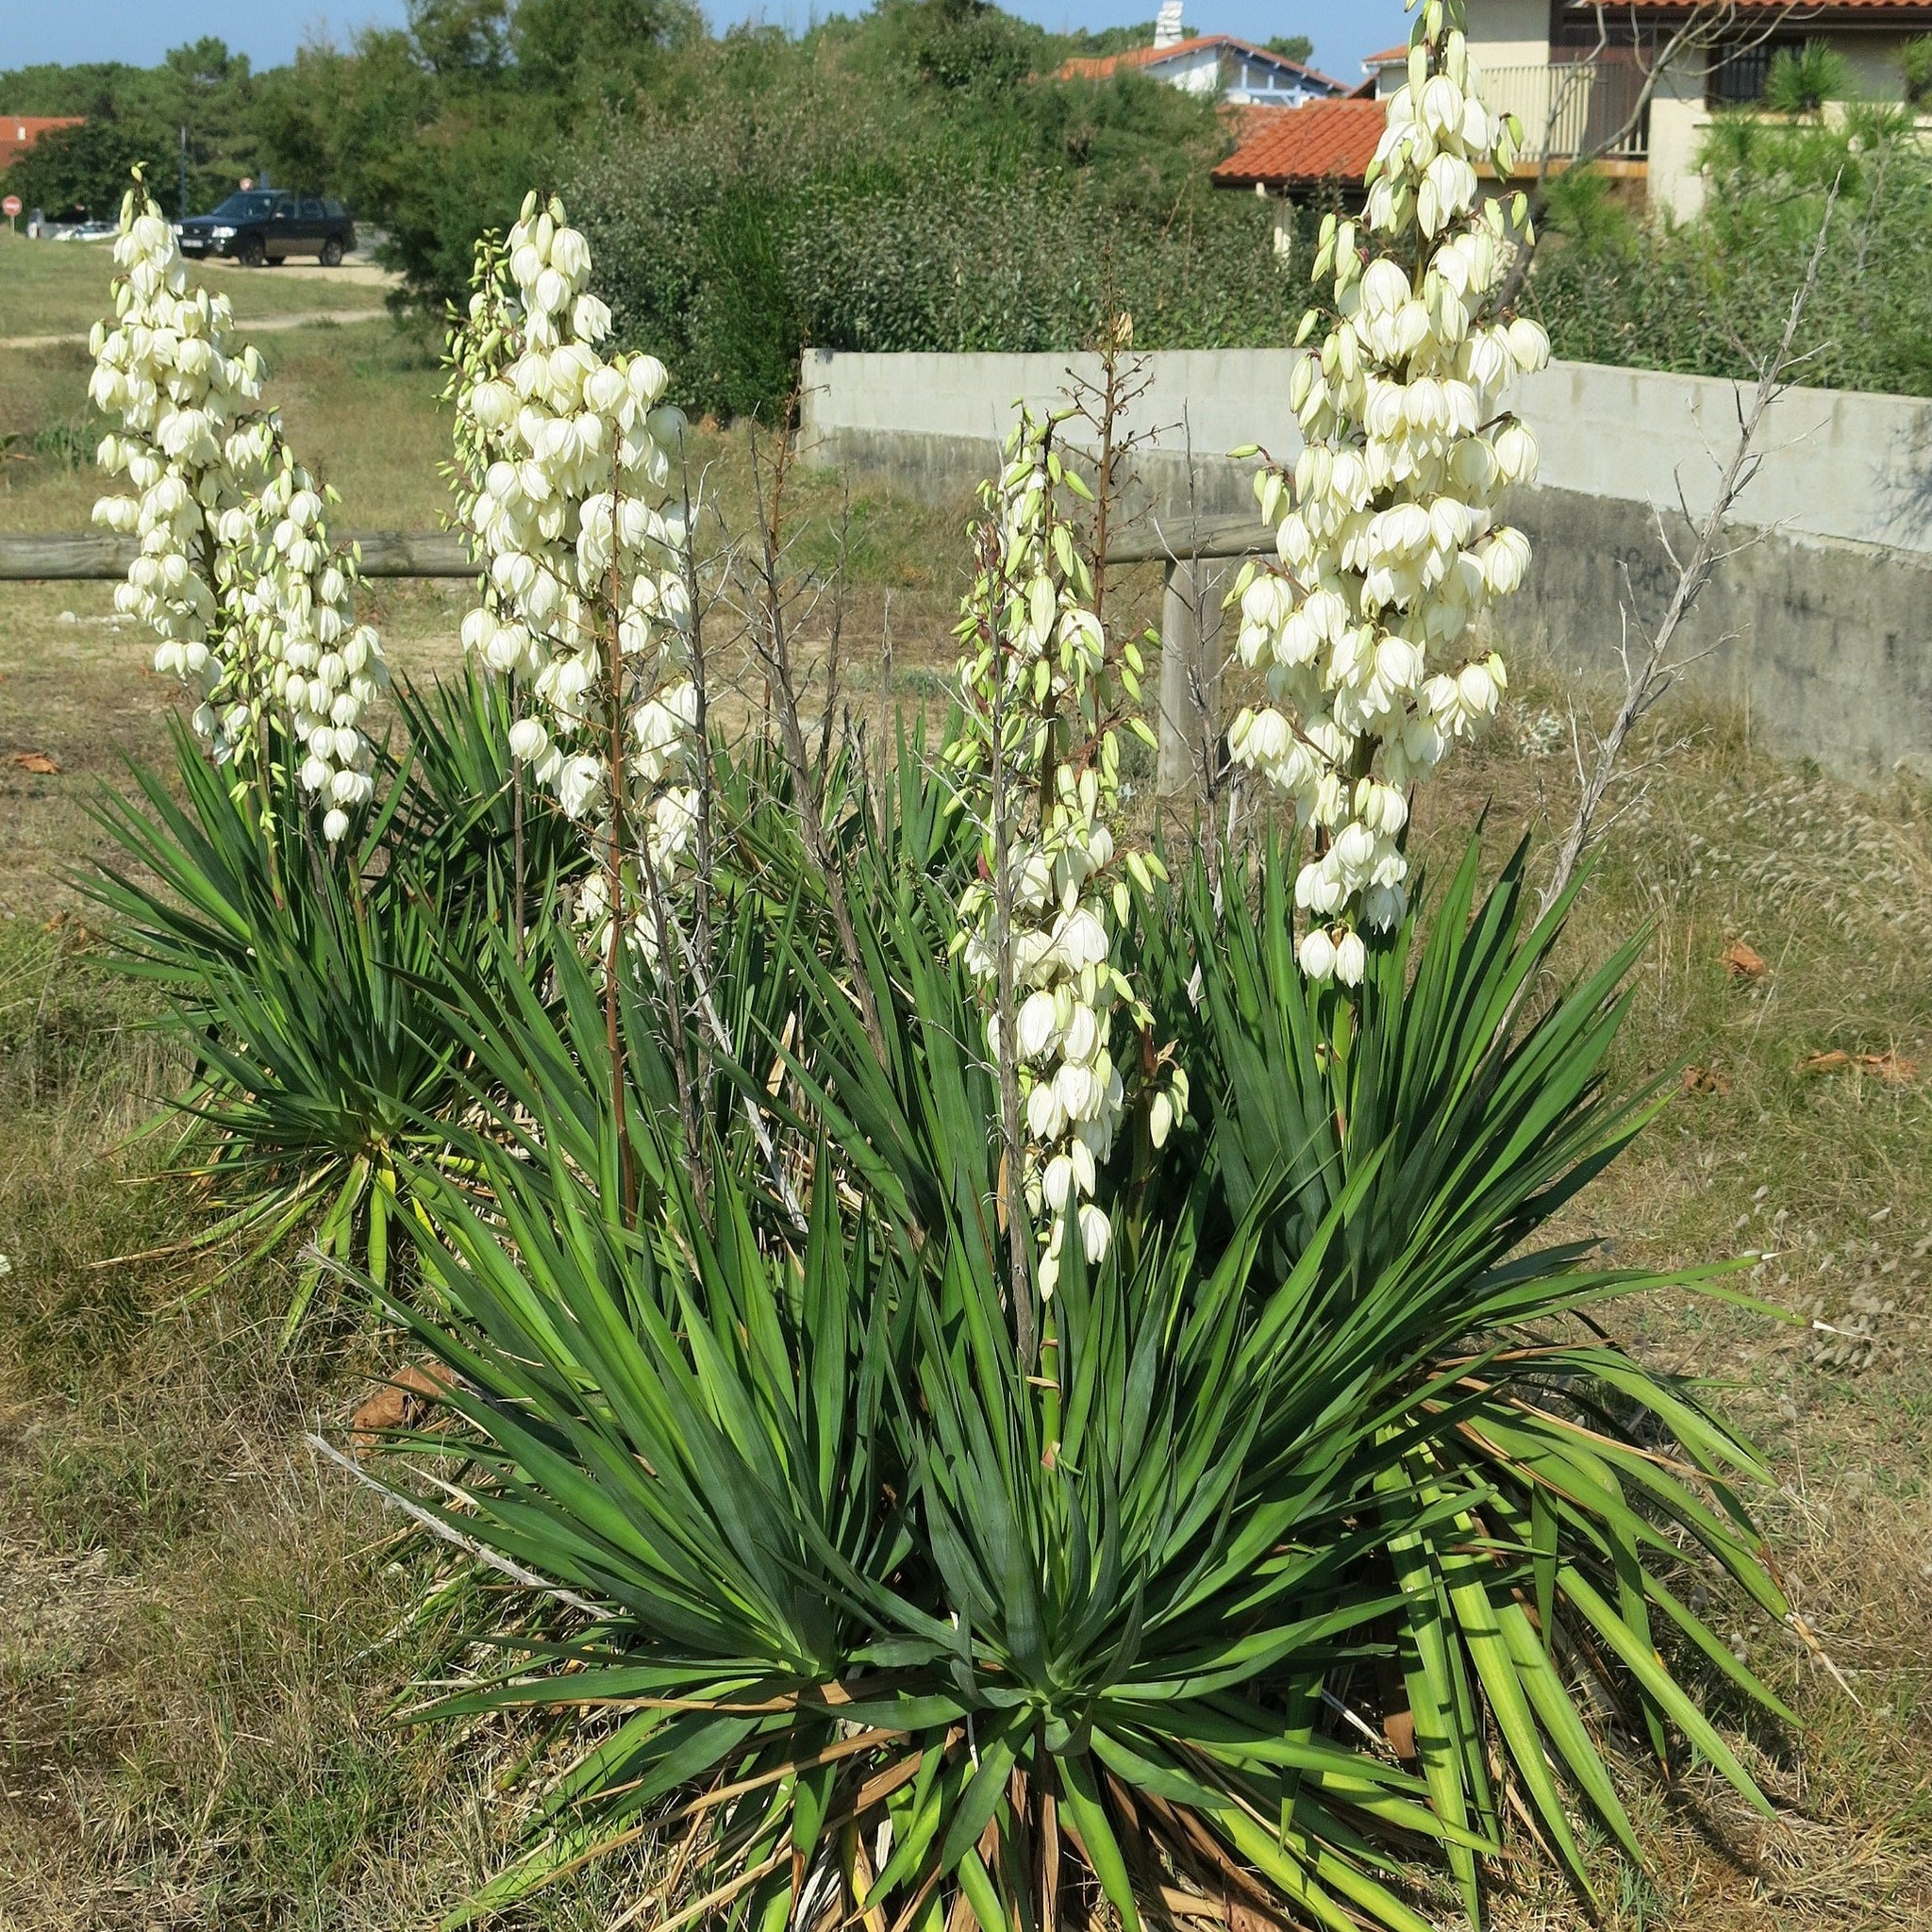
x=236, y=573
x=1390, y=547
x=566, y=476
x=1037, y=764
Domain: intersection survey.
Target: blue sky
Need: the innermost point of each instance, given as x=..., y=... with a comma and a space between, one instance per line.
x=270, y=30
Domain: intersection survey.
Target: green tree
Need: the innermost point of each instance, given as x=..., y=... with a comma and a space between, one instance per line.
x=960, y=45
x=1915, y=70
x=1802, y=80
x=463, y=40
x=1295, y=48
x=201, y=91
x=80, y=172
x=580, y=48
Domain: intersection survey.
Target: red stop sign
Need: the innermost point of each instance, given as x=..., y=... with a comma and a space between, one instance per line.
x=11, y=206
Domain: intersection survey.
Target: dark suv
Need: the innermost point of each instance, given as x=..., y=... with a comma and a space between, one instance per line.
x=270, y=224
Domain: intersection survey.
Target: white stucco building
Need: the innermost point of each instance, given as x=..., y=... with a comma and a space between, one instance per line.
x=1235, y=71
x=1573, y=73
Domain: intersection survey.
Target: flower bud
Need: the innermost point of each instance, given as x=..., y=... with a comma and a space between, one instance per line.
x=1095, y=1233
x=529, y=740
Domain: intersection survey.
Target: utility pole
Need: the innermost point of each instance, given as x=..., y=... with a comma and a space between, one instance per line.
x=184, y=169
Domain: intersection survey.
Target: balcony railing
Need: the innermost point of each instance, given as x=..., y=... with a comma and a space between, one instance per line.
x=1570, y=108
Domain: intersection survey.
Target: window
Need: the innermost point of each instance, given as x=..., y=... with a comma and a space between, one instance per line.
x=1736, y=75
x=313, y=210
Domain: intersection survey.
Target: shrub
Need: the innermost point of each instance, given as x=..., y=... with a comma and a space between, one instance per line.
x=1915, y=70
x=1802, y=80
x=1582, y=207
x=733, y=228
x=824, y=1555
x=306, y=991
x=1711, y=298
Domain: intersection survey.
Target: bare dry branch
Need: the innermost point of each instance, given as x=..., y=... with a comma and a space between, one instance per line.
x=770, y=634
x=1648, y=676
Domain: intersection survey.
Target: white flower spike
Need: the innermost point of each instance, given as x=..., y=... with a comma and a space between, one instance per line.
x=1388, y=538
x=236, y=573
x=1036, y=687
x=565, y=463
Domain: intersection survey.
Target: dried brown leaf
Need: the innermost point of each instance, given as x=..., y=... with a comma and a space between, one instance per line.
x=1834, y=1062
x=398, y=1402
x=1894, y=1069
x=42, y=763
x=1398, y=1726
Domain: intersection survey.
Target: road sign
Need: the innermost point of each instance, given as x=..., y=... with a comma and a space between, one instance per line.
x=11, y=206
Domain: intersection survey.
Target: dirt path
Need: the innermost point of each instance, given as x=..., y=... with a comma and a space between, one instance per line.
x=248, y=325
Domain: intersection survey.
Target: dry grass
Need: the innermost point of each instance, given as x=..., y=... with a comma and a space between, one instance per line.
x=56, y=287
x=201, y=1633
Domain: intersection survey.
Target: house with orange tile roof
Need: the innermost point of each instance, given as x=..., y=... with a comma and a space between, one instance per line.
x=1579, y=76
x=1296, y=155
x=18, y=132
x=1234, y=72
x=1326, y=143
x=1635, y=86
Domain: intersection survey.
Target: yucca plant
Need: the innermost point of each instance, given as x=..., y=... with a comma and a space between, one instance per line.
x=1604, y=1482
x=302, y=983
x=466, y=825
x=876, y=1621
x=828, y=1574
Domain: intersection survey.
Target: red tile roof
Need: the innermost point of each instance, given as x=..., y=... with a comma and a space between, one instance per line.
x=1099, y=67
x=1326, y=140
x=18, y=132
x=1387, y=57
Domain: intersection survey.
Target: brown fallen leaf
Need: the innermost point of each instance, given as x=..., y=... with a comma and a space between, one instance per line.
x=1894, y=1069
x=1398, y=1726
x=37, y=762
x=1705, y=1080
x=1744, y=960
x=398, y=1402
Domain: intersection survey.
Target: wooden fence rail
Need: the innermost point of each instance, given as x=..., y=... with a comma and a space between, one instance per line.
x=1190, y=547
x=98, y=555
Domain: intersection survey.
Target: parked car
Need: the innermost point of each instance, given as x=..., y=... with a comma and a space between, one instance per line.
x=262, y=224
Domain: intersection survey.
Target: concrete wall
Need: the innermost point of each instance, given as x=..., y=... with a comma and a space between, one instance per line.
x=1676, y=185
x=1874, y=58
x=1830, y=614
x=933, y=424
x=1509, y=33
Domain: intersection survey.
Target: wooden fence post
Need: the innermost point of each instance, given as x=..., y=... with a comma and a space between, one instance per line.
x=1190, y=658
